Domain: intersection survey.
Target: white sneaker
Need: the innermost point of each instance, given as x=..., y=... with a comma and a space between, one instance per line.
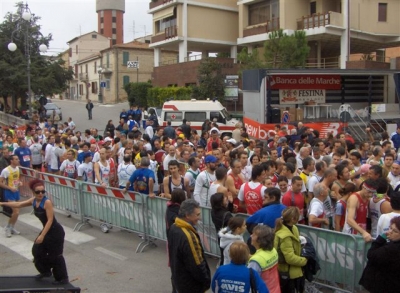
x=15, y=232
x=8, y=232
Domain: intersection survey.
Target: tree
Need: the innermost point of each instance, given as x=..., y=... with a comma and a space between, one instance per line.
x=47, y=77
x=250, y=60
x=284, y=51
x=137, y=93
x=211, y=80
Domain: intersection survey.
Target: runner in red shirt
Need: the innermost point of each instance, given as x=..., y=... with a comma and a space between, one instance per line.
x=357, y=209
x=294, y=197
x=233, y=183
x=251, y=194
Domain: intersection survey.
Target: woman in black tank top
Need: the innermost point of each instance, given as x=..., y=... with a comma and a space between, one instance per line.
x=48, y=247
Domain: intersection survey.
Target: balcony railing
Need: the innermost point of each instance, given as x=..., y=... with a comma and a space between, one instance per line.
x=269, y=26
x=313, y=21
x=155, y=3
x=169, y=32
x=83, y=76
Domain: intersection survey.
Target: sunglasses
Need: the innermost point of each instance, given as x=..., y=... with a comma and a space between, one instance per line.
x=40, y=191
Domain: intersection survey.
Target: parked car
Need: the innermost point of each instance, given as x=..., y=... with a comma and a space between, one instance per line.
x=49, y=110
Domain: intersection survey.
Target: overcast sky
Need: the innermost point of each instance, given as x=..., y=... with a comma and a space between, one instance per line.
x=67, y=19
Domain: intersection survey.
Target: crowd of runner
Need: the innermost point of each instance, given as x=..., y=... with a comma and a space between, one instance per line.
x=334, y=183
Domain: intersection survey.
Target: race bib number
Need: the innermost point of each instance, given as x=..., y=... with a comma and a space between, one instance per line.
x=26, y=158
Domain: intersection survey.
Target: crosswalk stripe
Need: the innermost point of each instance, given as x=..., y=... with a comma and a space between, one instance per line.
x=18, y=244
x=110, y=253
x=74, y=237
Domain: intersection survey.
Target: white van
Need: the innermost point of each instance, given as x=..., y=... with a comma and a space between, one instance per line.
x=196, y=112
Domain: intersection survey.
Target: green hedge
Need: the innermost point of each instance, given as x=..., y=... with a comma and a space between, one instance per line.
x=156, y=96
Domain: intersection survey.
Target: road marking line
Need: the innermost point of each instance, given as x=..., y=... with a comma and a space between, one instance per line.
x=74, y=237
x=110, y=253
x=18, y=244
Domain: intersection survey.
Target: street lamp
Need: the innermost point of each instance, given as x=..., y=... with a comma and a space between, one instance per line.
x=100, y=71
x=24, y=21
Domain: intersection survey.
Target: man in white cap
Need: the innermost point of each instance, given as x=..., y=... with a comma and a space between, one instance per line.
x=203, y=181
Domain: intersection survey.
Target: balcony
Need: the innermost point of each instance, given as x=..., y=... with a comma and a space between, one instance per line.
x=169, y=32
x=269, y=26
x=319, y=20
x=155, y=3
x=83, y=76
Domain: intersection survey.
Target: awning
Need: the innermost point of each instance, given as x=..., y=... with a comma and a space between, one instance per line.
x=167, y=12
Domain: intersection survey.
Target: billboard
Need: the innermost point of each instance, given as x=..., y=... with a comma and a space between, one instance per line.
x=231, y=88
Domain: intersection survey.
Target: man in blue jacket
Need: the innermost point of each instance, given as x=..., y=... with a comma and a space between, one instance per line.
x=271, y=211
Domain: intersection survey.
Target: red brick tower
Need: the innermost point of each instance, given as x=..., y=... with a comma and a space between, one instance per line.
x=111, y=19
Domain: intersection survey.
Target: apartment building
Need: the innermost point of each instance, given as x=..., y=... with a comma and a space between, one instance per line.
x=81, y=48
x=335, y=29
x=205, y=26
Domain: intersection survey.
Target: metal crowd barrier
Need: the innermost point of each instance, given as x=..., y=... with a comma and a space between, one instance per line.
x=25, y=176
x=63, y=192
x=113, y=208
x=342, y=257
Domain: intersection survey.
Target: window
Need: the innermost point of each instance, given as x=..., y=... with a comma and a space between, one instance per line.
x=162, y=24
x=102, y=31
x=81, y=89
x=76, y=70
x=218, y=116
x=94, y=87
x=108, y=60
x=114, y=42
x=382, y=12
x=263, y=12
x=125, y=80
x=86, y=68
x=195, y=116
x=125, y=58
x=173, y=116
x=101, y=19
x=313, y=8
x=76, y=49
x=114, y=19
x=94, y=36
x=95, y=67
x=108, y=84
x=114, y=30
x=70, y=52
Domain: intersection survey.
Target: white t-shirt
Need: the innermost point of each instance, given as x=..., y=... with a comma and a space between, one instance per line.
x=55, y=155
x=96, y=157
x=312, y=181
x=121, y=155
x=149, y=131
x=201, y=191
x=147, y=147
x=166, y=161
x=384, y=222
x=124, y=172
x=316, y=208
x=36, y=151
x=153, y=167
x=69, y=168
x=85, y=170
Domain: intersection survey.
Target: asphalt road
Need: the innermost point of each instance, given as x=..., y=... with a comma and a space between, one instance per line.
x=101, y=114
x=96, y=262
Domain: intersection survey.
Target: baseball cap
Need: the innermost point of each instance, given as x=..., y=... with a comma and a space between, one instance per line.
x=92, y=140
x=101, y=142
x=108, y=139
x=210, y=159
x=232, y=141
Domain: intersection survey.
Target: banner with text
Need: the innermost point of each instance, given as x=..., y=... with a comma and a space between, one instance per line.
x=263, y=131
x=305, y=82
x=288, y=97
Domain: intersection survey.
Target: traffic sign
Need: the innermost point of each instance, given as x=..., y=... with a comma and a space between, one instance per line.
x=285, y=117
x=132, y=64
x=103, y=84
